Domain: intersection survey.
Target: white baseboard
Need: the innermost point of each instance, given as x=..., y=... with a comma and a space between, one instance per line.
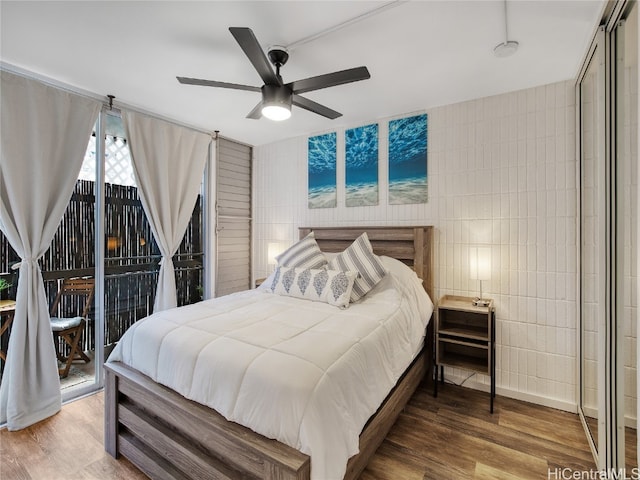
x=590, y=412
x=532, y=398
x=630, y=422
x=539, y=400
x=507, y=392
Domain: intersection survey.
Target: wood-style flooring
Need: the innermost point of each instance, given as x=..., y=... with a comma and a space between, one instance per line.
x=455, y=437
x=69, y=445
x=450, y=437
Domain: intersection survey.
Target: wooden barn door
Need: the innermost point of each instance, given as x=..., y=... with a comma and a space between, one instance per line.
x=233, y=217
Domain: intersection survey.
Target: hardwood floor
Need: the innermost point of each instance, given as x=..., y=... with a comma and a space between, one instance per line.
x=630, y=442
x=449, y=437
x=68, y=445
x=454, y=436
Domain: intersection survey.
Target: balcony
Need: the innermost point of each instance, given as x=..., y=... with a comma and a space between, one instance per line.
x=131, y=266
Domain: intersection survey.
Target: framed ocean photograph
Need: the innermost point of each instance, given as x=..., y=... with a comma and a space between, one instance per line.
x=361, y=166
x=321, y=158
x=408, y=160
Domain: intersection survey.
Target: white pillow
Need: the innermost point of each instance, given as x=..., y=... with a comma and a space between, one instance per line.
x=316, y=284
x=401, y=271
x=304, y=254
x=359, y=257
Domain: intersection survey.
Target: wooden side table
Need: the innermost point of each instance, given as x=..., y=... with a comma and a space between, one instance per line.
x=465, y=338
x=7, y=309
x=259, y=281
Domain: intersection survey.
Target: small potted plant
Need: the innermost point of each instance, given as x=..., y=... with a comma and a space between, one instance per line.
x=4, y=287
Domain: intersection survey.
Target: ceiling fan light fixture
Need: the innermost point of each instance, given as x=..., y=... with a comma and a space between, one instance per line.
x=278, y=97
x=276, y=112
x=276, y=102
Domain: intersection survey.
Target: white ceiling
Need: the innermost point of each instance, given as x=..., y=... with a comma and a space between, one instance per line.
x=420, y=54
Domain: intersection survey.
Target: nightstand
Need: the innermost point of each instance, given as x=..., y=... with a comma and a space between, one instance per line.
x=259, y=281
x=465, y=338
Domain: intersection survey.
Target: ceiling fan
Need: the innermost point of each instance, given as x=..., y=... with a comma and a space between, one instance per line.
x=277, y=96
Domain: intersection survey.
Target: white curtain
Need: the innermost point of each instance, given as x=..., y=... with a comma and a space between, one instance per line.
x=168, y=163
x=43, y=139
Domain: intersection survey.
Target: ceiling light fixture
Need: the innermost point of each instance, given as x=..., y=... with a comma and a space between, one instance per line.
x=277, y=99
x=277, y=96
x=276, y=102
x=508, y=47
x=276, y=112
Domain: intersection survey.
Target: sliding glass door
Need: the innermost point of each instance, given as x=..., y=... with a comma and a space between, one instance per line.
x=131, y=254
x=104, y=237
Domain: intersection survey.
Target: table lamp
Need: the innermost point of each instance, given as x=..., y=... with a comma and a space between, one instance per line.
x=480, y=269
x=273, y=250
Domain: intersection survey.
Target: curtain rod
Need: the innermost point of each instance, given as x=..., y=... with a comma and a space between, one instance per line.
x=94, y=96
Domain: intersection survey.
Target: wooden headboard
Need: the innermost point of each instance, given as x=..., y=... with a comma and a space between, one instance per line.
x=411, y=245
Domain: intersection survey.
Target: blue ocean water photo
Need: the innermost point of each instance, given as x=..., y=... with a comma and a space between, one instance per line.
x=408, y=190
x=361, y=165
x=408, y=160
x=321, y=159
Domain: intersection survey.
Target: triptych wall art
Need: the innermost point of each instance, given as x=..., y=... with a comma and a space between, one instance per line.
x=407, y=161
x=322, y=171
x=361, y=165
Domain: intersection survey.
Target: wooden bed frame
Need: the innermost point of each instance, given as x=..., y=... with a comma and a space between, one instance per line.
x=168, y=436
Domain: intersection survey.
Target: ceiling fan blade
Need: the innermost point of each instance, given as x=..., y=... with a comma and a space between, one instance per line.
x=256, y=113
x=213, y=83
x=330, y=80
x=252, y=49
x=314, y=107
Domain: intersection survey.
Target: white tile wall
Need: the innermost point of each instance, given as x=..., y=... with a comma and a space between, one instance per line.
x=502, y=173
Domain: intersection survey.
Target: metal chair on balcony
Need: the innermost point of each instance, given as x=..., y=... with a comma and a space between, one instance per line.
x=70, y=329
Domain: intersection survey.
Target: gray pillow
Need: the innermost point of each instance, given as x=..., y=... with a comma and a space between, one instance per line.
x=304, y=254
x=359, y=257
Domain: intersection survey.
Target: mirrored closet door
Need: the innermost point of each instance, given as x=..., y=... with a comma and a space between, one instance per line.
x=625, y=36
x=592, y=238
x=607, y=141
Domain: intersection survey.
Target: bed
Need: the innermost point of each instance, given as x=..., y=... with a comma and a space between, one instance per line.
x=168, y=436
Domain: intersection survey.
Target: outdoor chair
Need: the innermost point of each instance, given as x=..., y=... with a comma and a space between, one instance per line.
x=70, y=329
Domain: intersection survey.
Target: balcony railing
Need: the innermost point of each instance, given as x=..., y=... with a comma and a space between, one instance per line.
x=131, y=264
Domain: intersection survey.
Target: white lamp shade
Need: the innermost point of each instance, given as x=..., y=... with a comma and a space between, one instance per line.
x=273, y=250
x=480, y=263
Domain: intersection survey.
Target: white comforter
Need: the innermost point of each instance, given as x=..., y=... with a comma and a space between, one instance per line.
x=305, y=373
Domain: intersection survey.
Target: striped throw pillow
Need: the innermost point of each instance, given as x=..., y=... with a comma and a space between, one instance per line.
x=304, y=254
x=359, y=257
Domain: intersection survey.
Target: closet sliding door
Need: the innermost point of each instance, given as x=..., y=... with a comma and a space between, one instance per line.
x=593, y=261
x=625, y=41
x=607, y=101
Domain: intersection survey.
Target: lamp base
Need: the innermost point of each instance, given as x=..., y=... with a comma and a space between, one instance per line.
x=480, y=302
